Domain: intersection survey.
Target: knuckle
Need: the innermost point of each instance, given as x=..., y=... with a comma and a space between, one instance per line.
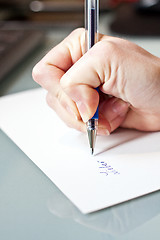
x=65, y=83
x=61, y=98
x=79, y=36
x=111, y=47
x=37, y=73
x=58, y=95
x=78, y=31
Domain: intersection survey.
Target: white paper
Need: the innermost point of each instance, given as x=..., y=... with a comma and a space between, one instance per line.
x=126, y=164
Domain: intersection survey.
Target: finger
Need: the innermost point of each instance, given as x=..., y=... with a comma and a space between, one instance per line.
x=142, y=121
x=113, y=112
x=67, y=115
x=62, y=99
x=52, y=67
x=91, y=71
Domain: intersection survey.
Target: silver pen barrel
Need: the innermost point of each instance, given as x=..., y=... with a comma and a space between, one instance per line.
x=91, y=38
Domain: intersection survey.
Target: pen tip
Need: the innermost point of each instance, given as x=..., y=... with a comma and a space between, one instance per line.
x=92, y=151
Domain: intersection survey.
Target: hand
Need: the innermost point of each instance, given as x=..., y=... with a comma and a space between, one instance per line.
x=128, y=77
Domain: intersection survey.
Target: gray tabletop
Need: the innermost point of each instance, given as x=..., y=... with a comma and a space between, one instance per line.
x=31, y=206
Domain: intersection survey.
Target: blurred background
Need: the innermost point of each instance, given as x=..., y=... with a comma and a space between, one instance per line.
x=71, y=11
x=24, y=24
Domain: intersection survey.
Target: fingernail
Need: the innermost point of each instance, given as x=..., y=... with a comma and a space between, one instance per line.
x=82, y=110
x=102, y=131
x=120, y=107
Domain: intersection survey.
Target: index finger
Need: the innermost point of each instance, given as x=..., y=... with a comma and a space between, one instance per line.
x=56, y=62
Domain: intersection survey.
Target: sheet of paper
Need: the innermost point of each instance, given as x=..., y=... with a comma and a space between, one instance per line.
x=126, y=164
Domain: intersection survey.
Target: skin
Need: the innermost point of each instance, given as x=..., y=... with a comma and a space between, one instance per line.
x=128, y=77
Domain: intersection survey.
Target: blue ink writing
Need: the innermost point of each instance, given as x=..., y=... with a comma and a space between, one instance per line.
x=107, y=169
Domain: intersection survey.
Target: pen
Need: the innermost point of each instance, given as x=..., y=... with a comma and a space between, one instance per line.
x=91, y=37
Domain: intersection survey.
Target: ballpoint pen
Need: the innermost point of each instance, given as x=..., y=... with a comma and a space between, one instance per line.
x=91, y=37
